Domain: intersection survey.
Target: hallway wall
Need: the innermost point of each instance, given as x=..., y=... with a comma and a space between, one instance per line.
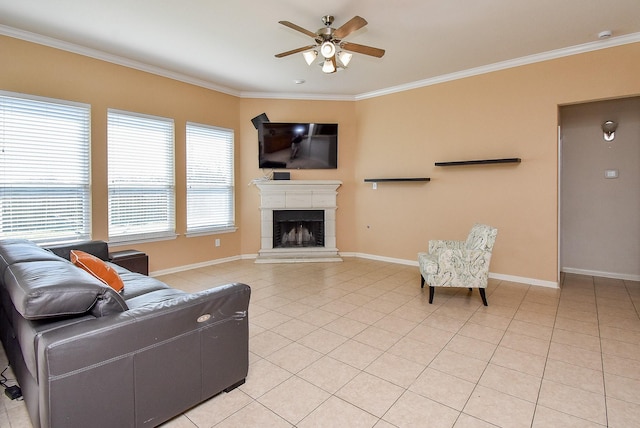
x=600, y=217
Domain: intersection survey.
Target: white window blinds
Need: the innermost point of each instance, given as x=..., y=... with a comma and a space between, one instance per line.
x=45, y=193
x=210, y=179
x=141, y=178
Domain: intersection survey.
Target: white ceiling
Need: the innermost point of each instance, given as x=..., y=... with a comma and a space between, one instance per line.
x=230, y=45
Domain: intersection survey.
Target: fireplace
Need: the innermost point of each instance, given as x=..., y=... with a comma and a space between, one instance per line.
x=298, y=228
x=298, y=221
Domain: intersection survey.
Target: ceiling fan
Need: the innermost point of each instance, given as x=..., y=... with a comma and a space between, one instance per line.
x=329, y=42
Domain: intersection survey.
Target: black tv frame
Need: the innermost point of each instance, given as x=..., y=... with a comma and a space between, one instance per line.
x=316, y=148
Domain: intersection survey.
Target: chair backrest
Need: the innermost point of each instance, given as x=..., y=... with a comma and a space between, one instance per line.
x=481, y=237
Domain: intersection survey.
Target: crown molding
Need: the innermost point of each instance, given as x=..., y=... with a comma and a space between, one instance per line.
x=114, y=59
x=290, y=96
x=159, y=71
x=503, y=65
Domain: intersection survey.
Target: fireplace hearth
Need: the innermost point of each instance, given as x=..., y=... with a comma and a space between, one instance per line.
x=298, y=221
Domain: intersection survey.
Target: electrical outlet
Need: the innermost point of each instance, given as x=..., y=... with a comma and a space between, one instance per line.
x=217, y=242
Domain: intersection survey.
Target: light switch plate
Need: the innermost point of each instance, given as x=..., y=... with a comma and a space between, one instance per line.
x=611, y=173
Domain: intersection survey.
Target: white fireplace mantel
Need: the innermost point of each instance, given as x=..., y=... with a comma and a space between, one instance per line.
x=298, y=195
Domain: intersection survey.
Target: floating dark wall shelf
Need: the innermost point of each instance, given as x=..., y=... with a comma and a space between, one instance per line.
x=479, y=162
x=381, y=180
x=375, y=181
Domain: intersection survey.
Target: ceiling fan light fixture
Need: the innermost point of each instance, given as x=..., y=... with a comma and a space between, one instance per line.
x=329, y=43
x=328, y=49
x=310, y=56
x=345, y=58
x=328, y=66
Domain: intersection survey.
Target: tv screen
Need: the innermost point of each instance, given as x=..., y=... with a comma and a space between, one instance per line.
x=298, y=145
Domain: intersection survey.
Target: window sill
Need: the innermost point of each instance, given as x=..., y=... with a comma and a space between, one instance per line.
x=119, y=241
x=206, y=232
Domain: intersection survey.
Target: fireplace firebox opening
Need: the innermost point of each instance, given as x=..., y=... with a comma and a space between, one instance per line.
x=298, y=228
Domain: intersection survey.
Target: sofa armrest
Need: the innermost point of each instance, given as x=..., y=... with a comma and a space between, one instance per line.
x=99, y=249
x=150, y=363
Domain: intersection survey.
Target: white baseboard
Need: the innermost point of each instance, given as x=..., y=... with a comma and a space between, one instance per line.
x=381, y=258
x=194, y=266
x=502, y=277
x=524, y=280
x=499, y=276
x=614, y=275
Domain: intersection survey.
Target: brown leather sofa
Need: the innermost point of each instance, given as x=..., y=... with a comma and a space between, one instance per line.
x=85, y=355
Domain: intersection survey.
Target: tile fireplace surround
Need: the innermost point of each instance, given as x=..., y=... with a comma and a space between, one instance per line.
x=298, y=195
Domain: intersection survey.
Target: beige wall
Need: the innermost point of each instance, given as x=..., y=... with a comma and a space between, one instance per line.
x=510, y=113
x=34, y=69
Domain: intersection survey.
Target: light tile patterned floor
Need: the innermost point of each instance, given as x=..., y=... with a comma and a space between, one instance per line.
x=356, y=344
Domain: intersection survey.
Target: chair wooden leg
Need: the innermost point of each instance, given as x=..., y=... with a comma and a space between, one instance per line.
x=431, y=294
x=421, y=281
x=484, y=296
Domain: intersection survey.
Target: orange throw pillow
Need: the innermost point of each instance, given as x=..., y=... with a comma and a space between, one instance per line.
x=97, y=268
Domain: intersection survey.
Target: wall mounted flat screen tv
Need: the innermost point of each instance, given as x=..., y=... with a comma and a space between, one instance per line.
x=298, y=145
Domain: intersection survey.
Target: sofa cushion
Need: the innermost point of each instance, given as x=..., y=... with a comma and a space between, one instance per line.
x=21, y=250
x=53, y=288
x=138, y=284
x=156, y=299
x=97, y=268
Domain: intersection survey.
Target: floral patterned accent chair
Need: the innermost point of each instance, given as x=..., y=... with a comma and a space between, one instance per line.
x=459, y=263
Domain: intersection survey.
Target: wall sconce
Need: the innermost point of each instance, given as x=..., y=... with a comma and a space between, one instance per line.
x=609, y=128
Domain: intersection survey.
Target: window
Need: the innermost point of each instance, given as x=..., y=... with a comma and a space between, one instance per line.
x=141, y=179
x=210, y=183
x=45, y=193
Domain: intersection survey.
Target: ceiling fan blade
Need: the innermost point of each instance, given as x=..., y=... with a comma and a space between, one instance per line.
x=298, y=28
x=354, y=24
x=367, y=50
x=294, y=51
